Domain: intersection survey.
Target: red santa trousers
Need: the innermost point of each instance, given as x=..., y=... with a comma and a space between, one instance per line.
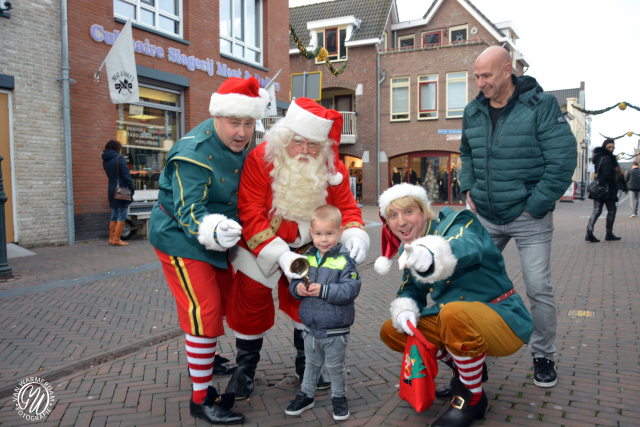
x=250, y=310
x=201, y=291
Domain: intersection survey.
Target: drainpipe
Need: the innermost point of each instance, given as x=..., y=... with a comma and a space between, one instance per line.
x=384, y=75
x=66, y=121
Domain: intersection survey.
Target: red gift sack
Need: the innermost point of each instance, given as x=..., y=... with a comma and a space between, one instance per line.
x=419, y=369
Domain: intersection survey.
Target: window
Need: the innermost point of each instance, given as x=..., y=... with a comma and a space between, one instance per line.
x=241, y=29
x=428, y=97
x=400, y=99
x=458, y=34
x=432, y=37
x=333, y=39
x=406, y=41
x=456, y=94
x=161, y=15
x=147, y=130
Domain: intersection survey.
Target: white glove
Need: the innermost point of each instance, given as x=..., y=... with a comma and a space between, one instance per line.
x=404, y=318
x=416, y=257
x=228, y=232
x=285, y=261
x=357, y=249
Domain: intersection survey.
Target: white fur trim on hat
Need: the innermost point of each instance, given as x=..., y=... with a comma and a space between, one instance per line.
x=335, y=179
x=206, y=229
x=398, y=191
x=237, y=105
x=444, y=262
x=399, y=305
x=307, y=124
x=382, y=266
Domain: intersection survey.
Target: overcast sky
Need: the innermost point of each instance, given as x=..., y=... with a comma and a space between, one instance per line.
x=569, y=41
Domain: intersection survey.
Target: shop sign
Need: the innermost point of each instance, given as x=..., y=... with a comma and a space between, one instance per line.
x=191, y=63
x=449, y=131
x=142, y=136
x=453, y=137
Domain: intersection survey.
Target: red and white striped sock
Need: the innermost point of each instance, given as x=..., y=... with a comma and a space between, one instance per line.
x=470, y=370
x=200, y=354
x=443, y=355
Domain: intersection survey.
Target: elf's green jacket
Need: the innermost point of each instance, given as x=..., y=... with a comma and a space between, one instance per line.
x=467, y=266
x=199, y=188
x=526, y=164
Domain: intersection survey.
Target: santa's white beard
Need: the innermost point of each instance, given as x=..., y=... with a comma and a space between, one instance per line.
x=298, y=187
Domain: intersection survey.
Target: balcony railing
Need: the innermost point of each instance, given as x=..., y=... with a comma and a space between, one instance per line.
x=435, y=46
x=349, y=134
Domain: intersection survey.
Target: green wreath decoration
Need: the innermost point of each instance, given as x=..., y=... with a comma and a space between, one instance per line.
x=622, y=105
x=319, y=52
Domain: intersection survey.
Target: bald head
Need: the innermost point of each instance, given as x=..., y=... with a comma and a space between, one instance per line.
x=492, y=71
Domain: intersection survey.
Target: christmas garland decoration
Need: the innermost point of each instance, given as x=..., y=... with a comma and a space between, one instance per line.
x=320, y=53
x=622, y=105
x=629, y=134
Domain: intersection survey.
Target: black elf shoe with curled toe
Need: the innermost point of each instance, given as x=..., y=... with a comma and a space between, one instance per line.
x=460, y=414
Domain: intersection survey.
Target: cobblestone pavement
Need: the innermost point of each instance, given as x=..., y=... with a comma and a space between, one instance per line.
x=114, y=354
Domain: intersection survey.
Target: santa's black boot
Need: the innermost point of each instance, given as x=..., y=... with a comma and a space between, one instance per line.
x=460, y=414
x=247, y=358
x=298, y=342
x=444, y=392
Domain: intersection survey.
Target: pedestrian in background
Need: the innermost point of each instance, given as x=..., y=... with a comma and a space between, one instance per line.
x=606, y=164
x=621, y=184
x=632, y=178
x=115, y=165
x=396, y=178
x=518, y=155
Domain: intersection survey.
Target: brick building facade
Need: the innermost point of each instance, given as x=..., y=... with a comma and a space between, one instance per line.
x=426, y=69
x=31, y=134
x=182, y=59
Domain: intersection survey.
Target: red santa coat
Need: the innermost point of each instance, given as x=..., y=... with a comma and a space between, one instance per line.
x=266, y=237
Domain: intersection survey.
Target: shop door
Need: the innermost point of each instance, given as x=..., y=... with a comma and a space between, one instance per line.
x=5, y=151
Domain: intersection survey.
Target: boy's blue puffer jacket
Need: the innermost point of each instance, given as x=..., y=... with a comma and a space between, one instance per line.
x=333, y=312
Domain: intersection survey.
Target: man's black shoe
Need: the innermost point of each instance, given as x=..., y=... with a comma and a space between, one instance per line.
x=544, y=372
x=611, y=236
x=460, y=414
x=340, y=408
x=300, y=404
x=444, y=392
x=215, y=409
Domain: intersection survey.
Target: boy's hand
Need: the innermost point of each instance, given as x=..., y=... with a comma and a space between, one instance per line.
x=314, y=290
x=301, y=289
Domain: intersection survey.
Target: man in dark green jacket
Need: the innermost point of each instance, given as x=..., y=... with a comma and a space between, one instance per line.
x=193, y=224
x=518, y=156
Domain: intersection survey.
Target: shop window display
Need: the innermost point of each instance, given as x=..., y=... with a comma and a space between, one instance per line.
x=147, y=133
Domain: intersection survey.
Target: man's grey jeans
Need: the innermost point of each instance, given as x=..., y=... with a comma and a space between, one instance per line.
x=533, y=239
x=332, y=352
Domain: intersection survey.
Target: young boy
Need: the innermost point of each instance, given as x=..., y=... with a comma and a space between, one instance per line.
x=476, y=312
x=327, y=311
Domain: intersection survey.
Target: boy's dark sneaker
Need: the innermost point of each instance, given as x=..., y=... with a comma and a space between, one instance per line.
x=300, y=404
x=544, y=372
x=340, y=408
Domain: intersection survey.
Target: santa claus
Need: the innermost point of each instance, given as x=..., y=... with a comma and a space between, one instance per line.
x=284, y=179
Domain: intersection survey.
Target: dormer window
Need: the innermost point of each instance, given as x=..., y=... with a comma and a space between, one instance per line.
x=333, y=39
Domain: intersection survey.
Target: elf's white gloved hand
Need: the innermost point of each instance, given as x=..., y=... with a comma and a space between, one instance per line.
x=416, y=257
x=404, y=318
x=285, y=260
x=227, y=233
x=357, y=249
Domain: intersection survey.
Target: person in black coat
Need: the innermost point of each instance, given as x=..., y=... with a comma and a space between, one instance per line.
x=605, y=165
x=116, y=167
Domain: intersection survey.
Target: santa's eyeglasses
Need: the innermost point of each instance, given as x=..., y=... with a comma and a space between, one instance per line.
x=312, y=147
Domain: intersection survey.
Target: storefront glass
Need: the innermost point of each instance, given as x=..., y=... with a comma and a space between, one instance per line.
x=354, y=165
x=147, y=132
x=437, y=172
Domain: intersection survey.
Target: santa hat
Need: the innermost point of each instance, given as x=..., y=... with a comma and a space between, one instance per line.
x=307, y=118
x=389, y=242
x=241, y=98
